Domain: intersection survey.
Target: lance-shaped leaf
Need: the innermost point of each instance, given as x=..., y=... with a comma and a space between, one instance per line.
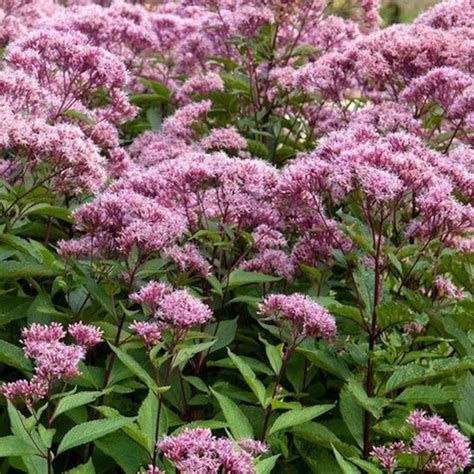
x=297, y=417
x=91, y=430
x=238, y=422
x=250, y=378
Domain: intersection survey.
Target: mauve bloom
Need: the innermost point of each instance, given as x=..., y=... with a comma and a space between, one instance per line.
x=188, y=258
x=86, y=335
x=386, y=455
x=441, y=446
x=153, y=470
x=271, y=262
x=150, y=332
x=27, y=391
x=448, y=289
x=54, y=360
x=197, y=450
x=200, y=85
x=253, y=446
x=180, y=124
x=447, y=450
x=151, y=294
x=442, y=85
x=306, y=317
x=181, y=310
x=224, y=139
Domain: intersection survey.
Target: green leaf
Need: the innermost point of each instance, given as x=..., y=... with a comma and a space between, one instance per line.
x=364, y=279
x=374, y=405
x=274, y=355
x=186, y=353
x=90, y=431
x=352, y=414
x=225, y=333
x=128, y=455
x=241, y=278
x=394, y=428
x=136, y=369
x=414, y=373
x=250, y=378
x=15, y=446
x=347, y=312
x=147, y=417
x=131, y=430
x=87, y=468
x=20, y=428
x=75, y=114
x=366, y=466
x=327, y=361
x=266, y=466
x=467, y=428
x=392, y=313
x=425, y=394
x=257, y=148
x=12, y=270
x=318, y=434
x=238, y=422
x=346, y=467
x=297, y=417
x=61, y=213
x=75, y=400
x=464, y=407
x=14, y=357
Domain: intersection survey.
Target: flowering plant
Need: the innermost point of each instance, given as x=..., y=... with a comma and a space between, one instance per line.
x=224, y=220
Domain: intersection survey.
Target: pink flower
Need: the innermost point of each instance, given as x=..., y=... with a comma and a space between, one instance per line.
x=200, y=85
x=272, y=262
x=252, y=446
x=151, y=295
x=197, y=450
x=86, y=335
x=306, y=318
x=149, y=332
x=153, y=470
x=54, y=360
x=27, y=391
x=387, y=455
x=224, y=139
x=180, y=124
x=447, y=450
x=188, y=258
x=442, y=85
x=180, y=309
x=446, y=288
x=441, y=447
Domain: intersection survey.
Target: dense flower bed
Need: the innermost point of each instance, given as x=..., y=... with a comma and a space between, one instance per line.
x=223, y=220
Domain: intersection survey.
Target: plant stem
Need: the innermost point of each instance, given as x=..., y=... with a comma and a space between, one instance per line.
x=269, y=409
x=372, y=340
x=169, y=370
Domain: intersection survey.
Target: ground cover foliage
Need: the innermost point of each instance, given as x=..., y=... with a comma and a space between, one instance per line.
x=236, y=237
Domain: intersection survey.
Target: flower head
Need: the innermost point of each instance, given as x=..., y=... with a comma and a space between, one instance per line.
x=86, y=335
x=306, y=318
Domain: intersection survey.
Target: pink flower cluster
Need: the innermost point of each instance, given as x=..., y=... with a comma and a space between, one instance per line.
x=446, y=288
x=442, y=447
x=197, y=450
x=175, y=310
x=54, y=359
x=305, y=317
